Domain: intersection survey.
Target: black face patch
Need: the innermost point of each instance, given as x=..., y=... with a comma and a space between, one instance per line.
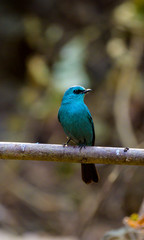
x=78, y=91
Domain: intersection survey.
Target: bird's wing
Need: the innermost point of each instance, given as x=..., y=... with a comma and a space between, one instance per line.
x=59, y=115
x=92, y=124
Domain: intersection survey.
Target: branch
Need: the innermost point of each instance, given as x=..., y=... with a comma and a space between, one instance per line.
x=58, y=153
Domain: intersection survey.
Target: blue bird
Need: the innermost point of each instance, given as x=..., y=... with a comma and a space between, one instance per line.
x=77, y=123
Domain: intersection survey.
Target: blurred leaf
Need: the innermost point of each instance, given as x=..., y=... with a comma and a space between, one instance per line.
x=134, y=217
x=33, y=30
x=54, y=33
x=69, y=70
x=38, y=71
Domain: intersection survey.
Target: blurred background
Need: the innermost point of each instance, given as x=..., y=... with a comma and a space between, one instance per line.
x=45, y=47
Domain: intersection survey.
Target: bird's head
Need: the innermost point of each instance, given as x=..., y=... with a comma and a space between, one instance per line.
x=76, y=93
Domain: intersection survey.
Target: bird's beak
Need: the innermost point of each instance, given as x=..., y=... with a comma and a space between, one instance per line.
x=87, y=90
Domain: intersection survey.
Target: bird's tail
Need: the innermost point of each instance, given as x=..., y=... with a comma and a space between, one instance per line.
x=89, y=173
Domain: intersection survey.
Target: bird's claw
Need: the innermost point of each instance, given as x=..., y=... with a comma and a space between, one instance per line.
x=126, y=149
x=66, y=144
x=82, y=146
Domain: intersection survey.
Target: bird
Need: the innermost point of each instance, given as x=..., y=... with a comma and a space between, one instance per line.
x=78, y=125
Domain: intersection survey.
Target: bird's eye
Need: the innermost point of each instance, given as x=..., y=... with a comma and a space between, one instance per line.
x=77, y=91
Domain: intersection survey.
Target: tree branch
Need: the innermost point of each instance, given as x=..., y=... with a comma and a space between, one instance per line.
x=58, y=153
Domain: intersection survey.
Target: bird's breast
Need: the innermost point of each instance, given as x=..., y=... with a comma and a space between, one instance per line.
x=74, y=119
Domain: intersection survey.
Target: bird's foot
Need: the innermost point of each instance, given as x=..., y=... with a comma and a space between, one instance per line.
x=66, y=144
x=82, y=146
x=126, y=149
